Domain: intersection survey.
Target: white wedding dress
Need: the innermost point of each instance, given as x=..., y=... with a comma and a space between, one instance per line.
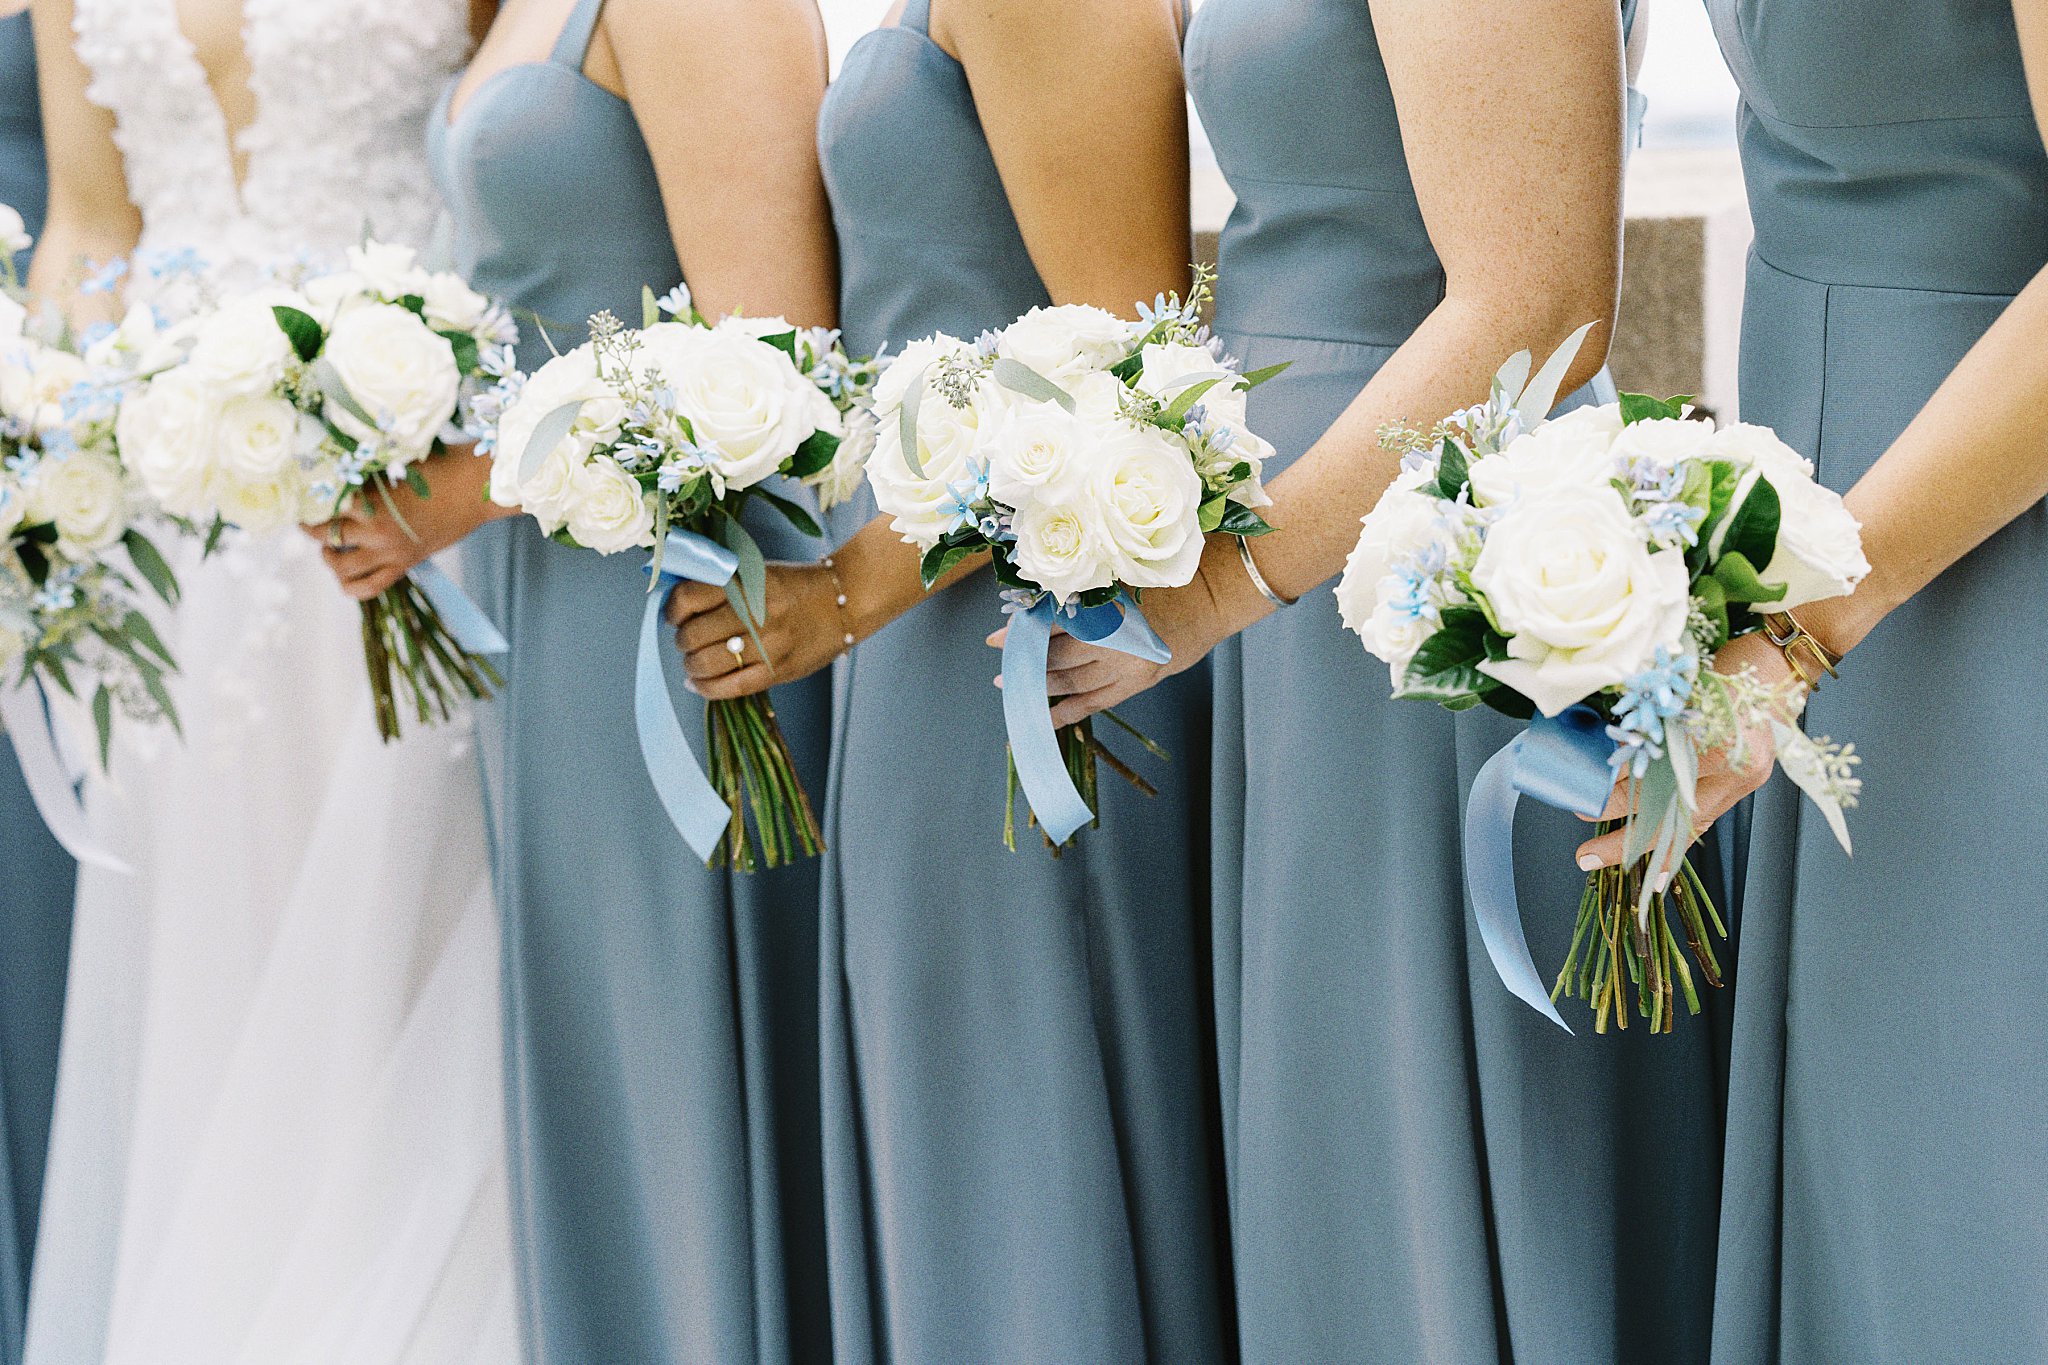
x=279, y=1131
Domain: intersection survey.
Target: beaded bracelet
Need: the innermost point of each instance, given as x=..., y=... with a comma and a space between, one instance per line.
x=839, y=597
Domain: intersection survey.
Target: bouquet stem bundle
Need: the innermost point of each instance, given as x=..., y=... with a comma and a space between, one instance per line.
x=752, y=768
x=410, y=649
x=1623, y=928
x=1082, y=751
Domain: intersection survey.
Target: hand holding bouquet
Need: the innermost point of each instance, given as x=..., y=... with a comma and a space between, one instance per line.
x=1582, y=571
x=1088, y=457
x=75, y=558
x=289, y=403
x=659, y=439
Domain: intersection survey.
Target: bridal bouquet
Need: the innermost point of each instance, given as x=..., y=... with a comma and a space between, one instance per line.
x=75, y=557
x=1582, y=572
x=289, y=403
x=659, y=439
x=1087, y=456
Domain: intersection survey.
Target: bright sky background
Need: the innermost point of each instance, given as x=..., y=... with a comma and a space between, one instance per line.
x=1692, y=98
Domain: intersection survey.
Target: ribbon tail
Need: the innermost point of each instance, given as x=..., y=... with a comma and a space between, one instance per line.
x=28, y=722
x=1490, y=880
x=464, y=618
x=1027, y=715
x=693, y=804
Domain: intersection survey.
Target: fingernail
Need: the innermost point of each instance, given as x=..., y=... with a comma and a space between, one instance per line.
x=1589, y=862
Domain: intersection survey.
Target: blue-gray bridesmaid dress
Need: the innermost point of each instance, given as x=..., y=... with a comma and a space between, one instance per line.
x=1017, y=1107
x=1422, y=1168
x=1887, y=1185
x=38, y=880
x=661, y=1017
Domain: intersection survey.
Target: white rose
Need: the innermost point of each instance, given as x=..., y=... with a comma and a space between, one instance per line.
x=34, y=380
x=388, y=269
x=85, y=495
x=167, y=433
x=1039, y=453
x=1400, y=523
x=261, y=506
x=241, y=349
x=1058, y=550
x=258, y=437
x=949, y=440
x=13, y=508
x=609, y=511
x=1147, y=502
x=1170, y=370
x=569, y=378
x=1393, y=634
x=328, y=296
x=550, y=495
x=1664, y=440
x=1575, y=449
x=14, y=237
x=1066, y=342
x=13, y=318
x=1820, y=544
x=399, y=373
x=749, y=406
x=910, y=364
x=1583, y=600
x=452, y=306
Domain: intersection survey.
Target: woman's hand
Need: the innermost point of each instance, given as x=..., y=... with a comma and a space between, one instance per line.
x=806, y=630
x=369, y=548
x=1722, y=782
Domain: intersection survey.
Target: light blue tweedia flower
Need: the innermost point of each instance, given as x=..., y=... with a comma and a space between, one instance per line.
x=965, y=497
x=94, y=335
x=488, y=407
x=985, y=345
x=163, y=265
x=1195, y=423
x=22, y=463
x=497, y=361
x=1656, y=488
x=996, y=528
x=59, y=444
x=88, y=400
x=104, y=279
x=59, y=594
x=1649, y=703
x=675, y=302
x=1419, y=583
x=1016, y=600
x=352, y=464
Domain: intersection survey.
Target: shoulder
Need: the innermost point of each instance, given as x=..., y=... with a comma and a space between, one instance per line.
x=694, y=32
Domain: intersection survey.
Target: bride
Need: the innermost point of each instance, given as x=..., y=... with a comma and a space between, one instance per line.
x=279, y=1130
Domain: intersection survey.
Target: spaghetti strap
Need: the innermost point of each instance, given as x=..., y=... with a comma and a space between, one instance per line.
x=574, y=44
x=917, y=14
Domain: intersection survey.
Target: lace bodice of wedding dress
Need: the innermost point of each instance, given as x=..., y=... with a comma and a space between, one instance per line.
x=342, y=92
x=278, y=1136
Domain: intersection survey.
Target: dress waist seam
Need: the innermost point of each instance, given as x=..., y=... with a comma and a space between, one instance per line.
x=1777, y=269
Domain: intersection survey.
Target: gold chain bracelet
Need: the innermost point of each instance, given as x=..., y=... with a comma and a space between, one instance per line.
x=1807, y=657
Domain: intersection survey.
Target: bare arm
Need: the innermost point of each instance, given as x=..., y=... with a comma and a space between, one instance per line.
x=1511, y=116
x=1084, y=109
x=90, y=217
x=1973, y=459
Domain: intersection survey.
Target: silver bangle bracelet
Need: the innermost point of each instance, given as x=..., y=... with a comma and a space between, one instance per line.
x=1251, y=568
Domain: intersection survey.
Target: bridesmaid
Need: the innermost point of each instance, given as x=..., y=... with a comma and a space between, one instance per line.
x=661, y=1017
x=37, y=879
x=1422, y=1168
x=1018, y=1122
x=1887, y=1181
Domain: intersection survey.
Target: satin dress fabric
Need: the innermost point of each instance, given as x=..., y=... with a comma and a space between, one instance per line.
x=660, y=1016
x=38, y=880
x=1422, y=1168
x=1018, y=1113
x=1887, y=1188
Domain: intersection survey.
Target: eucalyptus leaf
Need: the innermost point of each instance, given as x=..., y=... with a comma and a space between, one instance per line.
x=795, y=512
x=650, y=310
x=331, y=384
x=1655, y=805
x=753, y=570
x=1513, y=376
x=1540, y=397
x=906, y=419
x=103, y=722
x=138, y=627
x=150, y=563
x=1796, y=757
x=1018, y=377
x=547, y=434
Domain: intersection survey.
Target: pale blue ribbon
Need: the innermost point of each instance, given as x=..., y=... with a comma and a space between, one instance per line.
x=1027, y=711
x=1561, y=761
x=25, y=712
x=694, y=806
x=465, y=619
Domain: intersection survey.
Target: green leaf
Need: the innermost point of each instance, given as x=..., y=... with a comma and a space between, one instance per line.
x=413, y=303
x=154, y=683
x=1239, y=520
x=1018, y=377
x=814, y=456
x=753, y=570
x=1257, y=377
x=1446, y=668
x=336, y=388
x=1753, y=527
x=464, y=346
x=150, y=563
x=1713, y=601
x=1452, y=472
x=650, y=311
x=784, y=342
x=793, y=511
x=1739, y=582
x=547, y=434
x=1509, y=702
x=300, y=329
x=940, y=558
x=1130, y=367
x=1640, y=407
x=1211, y=514
x=138, y=628
x=906, y=420
x=1187, y=398
x=103, y=722
x=417, y=482
x=213, y=535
